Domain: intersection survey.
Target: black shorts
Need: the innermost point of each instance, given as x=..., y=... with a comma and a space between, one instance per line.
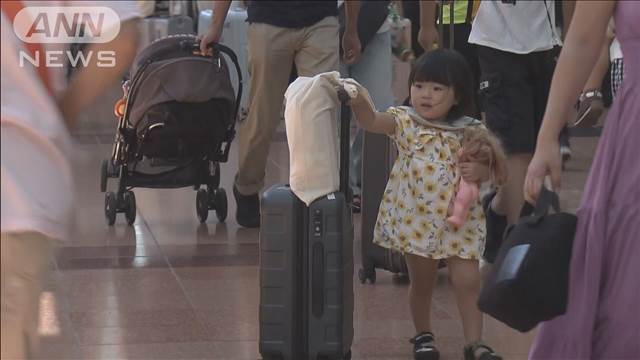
x=514, y=89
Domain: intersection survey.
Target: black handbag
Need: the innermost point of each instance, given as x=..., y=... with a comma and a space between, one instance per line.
x=529, y=281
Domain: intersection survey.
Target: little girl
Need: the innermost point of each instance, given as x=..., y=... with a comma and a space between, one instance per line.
x=422, y=184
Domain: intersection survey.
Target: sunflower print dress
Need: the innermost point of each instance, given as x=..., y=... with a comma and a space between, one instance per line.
x=423, y=181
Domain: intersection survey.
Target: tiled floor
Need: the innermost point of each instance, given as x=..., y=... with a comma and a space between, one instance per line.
x=171, y=288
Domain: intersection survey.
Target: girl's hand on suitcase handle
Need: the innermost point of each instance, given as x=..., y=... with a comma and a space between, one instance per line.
x=347, y=93
x=343, y=96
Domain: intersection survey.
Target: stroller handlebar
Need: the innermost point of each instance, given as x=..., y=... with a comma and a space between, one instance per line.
x=219, y=48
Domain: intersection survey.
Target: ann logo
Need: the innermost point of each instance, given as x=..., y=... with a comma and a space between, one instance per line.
x=66, y=24
x=63, y=26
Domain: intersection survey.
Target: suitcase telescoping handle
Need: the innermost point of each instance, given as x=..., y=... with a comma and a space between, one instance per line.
x=345, y=132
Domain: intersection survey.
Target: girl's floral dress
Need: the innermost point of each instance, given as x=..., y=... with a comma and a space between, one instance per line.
x=413, y=212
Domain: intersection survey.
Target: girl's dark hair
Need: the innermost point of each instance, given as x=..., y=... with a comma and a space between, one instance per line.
x=447, y=67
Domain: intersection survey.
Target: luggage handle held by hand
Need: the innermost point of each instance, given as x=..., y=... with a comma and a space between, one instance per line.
x=546, y=199
x=343, y=96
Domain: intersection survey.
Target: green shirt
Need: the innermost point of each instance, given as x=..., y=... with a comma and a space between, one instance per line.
x=460, y=8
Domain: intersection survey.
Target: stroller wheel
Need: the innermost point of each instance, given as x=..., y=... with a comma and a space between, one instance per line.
x=220, y=202
x=104, y=173
x=110, y=207
x=130, y=206
x=202, y=205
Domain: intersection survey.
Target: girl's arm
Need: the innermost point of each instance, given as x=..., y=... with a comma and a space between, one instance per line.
x=579, y=53
x=370, y=119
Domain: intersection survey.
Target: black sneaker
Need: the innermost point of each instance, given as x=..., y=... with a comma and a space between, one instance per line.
x=495, y=229
x=247, y=210
x=424, y=347
x=480, y=351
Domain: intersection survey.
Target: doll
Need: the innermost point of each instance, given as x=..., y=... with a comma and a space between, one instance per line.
x=481, y=146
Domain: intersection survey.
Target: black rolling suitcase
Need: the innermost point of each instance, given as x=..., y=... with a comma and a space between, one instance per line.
x=378, y=156
x=306, y=270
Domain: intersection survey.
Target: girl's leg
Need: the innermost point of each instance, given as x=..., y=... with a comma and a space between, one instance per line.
x=465, y=277
x=423, y=273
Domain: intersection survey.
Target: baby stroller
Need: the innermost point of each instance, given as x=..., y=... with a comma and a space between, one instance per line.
x=176, y=123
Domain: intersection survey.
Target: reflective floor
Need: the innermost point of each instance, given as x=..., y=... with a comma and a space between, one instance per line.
x=171, y=288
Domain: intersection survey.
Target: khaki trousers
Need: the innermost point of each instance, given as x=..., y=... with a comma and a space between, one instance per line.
x=272, y=51
x=25, y=261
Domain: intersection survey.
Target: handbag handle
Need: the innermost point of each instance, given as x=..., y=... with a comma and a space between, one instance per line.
x=546, y=199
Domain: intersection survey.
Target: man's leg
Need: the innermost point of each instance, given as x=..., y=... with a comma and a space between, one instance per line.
x=510, y=199
x=507, y=101
x=25, y=260
x=270, y=59
x=317, y=50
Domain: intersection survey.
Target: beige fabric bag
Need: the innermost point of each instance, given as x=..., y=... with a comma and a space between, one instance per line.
x=311, y=116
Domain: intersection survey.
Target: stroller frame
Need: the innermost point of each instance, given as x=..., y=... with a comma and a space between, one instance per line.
x=118, y=166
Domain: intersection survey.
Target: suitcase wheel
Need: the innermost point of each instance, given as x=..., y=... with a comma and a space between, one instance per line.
x=401, y=278
x=365, y=275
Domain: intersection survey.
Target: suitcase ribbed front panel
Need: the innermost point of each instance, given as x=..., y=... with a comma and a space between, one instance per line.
x=280, y=215
x=331, y=333
x=306, y=276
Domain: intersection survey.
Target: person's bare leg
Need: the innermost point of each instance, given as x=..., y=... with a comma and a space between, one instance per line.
x=509, y=199
x=423, y=273
x=465, y=277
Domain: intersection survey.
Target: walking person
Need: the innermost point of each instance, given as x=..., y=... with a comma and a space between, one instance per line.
x=38, y=110
x=601, y=321
x=281, y=33
x=412, y=218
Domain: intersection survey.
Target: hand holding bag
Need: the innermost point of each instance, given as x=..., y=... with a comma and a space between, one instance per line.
x=529, y=281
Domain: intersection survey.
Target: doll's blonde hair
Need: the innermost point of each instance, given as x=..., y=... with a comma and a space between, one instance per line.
x=481, y=145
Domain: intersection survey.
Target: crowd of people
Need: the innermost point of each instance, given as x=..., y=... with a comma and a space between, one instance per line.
x=516, y=71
